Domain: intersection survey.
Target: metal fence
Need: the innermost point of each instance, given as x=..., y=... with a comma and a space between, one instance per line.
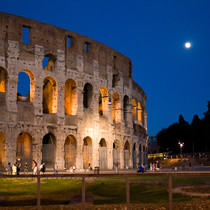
x=125, y=175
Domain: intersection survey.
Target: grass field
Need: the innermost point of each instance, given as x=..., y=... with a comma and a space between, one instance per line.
x=22, y=192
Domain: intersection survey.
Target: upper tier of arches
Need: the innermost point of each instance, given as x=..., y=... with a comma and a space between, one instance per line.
x=121, y=104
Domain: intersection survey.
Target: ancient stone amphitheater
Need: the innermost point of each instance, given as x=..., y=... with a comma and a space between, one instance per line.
x=82, y=104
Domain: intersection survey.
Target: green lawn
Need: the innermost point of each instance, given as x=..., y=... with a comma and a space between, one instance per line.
x=104, y=190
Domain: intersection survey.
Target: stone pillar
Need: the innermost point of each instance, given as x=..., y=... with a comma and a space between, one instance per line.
x=110, y=153
x=11, y=93
x=60, y=99
x=79, y=158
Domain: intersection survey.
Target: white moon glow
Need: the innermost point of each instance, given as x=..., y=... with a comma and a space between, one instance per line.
x=187, y=45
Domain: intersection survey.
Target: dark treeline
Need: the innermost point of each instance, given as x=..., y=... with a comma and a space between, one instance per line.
x=196, y=136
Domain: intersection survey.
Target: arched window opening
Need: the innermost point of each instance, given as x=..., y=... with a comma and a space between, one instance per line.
x=103, y=102
x=142, y=117
x=24, y=148
x=125, y=109
x=48, y=62
x=145, y=119
x=87, y=152
x=126, y=155
x=25, y=86
x=2, y=151
x=116, y=108
x=87, y=95
x=70, y=97
x=116, y=154
x=134, y=156
x=70, y=151
x=133, y=110
x=139, y=113
x=48, y=150
x=49, y=96
x=140, y=155
x=102, y=154
x=3, y=79
x=115, y=80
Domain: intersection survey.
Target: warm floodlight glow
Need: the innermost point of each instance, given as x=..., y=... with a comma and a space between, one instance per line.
x=187, y=45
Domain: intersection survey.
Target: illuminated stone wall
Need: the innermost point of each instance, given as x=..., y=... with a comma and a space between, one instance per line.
x=83, y=106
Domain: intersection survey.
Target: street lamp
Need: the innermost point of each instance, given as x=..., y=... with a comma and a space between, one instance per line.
x=181, y=144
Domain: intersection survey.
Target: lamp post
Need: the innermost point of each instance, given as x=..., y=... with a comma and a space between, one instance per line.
x=181, y=144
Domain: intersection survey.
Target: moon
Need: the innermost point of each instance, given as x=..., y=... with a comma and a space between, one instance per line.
x=187, y=45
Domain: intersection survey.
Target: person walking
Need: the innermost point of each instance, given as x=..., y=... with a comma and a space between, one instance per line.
x=34, y=167
x=42, y=168
x=158, y=166
x=26, y=168
x=9, y=169
x=56, y=168
x=14, y=169
x=18, y=164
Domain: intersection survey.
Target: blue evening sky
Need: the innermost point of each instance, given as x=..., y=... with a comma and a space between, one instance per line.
x=152, y=34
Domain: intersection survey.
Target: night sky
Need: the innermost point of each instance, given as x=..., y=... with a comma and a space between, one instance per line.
x=152, y=33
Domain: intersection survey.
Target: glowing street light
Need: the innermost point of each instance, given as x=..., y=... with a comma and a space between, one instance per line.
x=181, y=144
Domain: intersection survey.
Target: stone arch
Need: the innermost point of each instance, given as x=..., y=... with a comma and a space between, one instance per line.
x=126, y=154
x=49, y=95
x=26, y=82
x=87, y=152
x=48, y=62
x=103, y=100
x=24, y=148
x=139, y=113
x=102, y=154
x=3, y=79
x=116, y=154
x=70, y=97
x=48, y=150
x=70, y=147
x=140, y=154
x=143, y=117
x=134, y=155
x=133, y=109
x=87, y=96
x=125, y=109
x=116, y=108
x=2, y=150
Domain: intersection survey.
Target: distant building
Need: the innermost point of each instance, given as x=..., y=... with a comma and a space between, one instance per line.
x=152, y=145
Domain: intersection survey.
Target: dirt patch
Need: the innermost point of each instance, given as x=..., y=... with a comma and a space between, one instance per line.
x=196, y=191
x=77, y=199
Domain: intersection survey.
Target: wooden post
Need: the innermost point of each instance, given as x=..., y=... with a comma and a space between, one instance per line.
x=38, y=192
x=83, y=192
x=170, y=191
x=127, y=193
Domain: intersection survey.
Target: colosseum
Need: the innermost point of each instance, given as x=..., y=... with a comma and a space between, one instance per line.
x=82, y=105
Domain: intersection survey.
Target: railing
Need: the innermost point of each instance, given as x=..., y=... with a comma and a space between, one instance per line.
x=127, y=178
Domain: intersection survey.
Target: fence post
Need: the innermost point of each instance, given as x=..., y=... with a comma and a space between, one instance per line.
x=38, y=192
x=170, y=191
x=83, y=192
x=127, y=193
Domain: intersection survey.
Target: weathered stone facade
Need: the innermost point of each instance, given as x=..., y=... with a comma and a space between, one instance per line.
x=83, y=106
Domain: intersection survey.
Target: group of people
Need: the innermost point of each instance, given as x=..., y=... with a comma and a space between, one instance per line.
x=155, y=166
x=15, y=168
